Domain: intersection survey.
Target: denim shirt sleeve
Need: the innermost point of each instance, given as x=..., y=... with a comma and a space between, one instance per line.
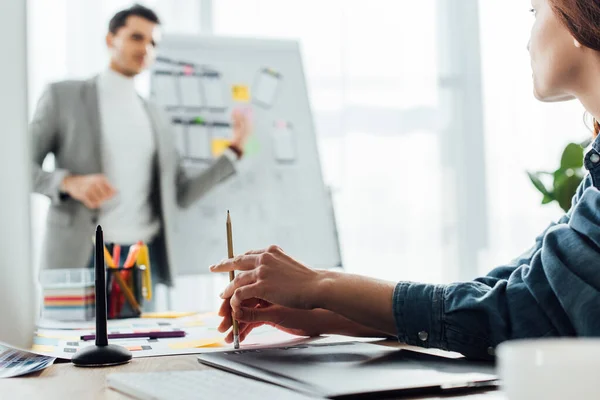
x=551, y=290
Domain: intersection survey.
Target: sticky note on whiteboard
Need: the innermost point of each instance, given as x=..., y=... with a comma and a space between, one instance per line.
x=284, y=146
x=240, y=93
x=218, y=146
x=266, y=87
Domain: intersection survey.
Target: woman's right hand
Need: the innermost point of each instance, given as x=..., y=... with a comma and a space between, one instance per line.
x=293, y=321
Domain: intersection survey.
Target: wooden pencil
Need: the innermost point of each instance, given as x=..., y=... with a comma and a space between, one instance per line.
x=236, y=332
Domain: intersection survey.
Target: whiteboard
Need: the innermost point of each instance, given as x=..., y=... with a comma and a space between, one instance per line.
x=278, y=196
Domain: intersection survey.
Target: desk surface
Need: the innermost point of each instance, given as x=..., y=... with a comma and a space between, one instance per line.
x=63, y=381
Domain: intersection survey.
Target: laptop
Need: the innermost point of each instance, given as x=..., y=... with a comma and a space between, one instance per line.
x=340, y=370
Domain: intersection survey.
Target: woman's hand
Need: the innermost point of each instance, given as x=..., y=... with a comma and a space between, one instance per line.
x=289, y=320
x=272, y=276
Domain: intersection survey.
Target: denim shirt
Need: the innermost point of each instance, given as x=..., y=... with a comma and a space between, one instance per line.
x=551, y=290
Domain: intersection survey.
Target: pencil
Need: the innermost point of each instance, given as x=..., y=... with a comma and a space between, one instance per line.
x=128, y=293
x=236, y=331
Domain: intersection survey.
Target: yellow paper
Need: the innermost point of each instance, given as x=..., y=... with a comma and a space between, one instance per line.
x=168, y=314
x=219, y=146
x=240, y=93
x=214, y=342
x=42, y=348
x=193, y=323
x=58, y=336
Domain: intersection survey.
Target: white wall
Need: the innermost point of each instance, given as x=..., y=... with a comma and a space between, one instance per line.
x=17, y=289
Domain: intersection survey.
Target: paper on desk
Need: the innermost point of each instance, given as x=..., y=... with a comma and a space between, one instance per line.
x=63, y=339
x=17, y=362
x=168, y=314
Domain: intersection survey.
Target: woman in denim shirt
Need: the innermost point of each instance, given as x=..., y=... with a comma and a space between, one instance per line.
x=551, y=290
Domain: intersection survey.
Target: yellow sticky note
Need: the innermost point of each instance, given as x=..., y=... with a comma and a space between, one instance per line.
x=193, y=323
x=218, y=146
x=240, y=93
x=214, y=342
x=58, y=336
x=42, y=348
x=168, y=314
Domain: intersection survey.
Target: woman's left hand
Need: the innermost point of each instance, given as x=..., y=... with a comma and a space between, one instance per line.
x=272, y=276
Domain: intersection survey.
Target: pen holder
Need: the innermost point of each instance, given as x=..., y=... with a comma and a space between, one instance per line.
x=118, y=303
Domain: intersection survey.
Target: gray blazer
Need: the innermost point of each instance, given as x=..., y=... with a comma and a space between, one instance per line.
x=67, y=123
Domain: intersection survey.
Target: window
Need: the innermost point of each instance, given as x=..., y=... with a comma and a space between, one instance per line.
x=372, y=73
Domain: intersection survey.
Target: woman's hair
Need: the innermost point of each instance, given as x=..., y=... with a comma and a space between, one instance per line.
x=582, y=19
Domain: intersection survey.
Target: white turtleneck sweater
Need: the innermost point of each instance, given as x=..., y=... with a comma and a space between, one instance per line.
x=128, y=150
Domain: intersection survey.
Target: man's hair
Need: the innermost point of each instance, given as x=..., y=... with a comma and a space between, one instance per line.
x=120, y=19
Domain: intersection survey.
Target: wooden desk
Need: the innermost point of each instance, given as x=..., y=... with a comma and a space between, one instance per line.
x=63, y=381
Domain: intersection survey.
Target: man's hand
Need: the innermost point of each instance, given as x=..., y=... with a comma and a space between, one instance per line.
x=241, y=129
x=91, y=190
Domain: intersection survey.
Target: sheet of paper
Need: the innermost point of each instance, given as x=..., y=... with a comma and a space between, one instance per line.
x=201, y=336
x=214, y=91
x=16, y=362
x=266, y=86
x=191, y=91
x=168, y=314
x=180, y=142
x=284, y=146
x=164, y=89
x=199, y=143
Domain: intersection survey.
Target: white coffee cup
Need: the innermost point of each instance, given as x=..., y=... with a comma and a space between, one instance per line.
x=549, y=369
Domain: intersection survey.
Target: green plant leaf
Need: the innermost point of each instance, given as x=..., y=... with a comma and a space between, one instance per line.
x=572, y=157
x=564, y=192
x=539, y=185
x=548, y=199
x=560, y=175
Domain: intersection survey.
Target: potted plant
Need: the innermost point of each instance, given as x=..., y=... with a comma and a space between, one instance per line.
x=561, y=185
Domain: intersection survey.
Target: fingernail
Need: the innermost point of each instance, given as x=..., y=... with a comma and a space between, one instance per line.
x=211, y=267
x=221, y=295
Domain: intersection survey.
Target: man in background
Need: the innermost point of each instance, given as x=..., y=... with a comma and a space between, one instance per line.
x=116, y=162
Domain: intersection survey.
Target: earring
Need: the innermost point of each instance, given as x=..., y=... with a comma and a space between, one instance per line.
x=576, y=43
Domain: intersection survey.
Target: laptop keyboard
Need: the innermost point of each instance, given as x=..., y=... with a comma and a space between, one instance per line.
x=204, y=384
